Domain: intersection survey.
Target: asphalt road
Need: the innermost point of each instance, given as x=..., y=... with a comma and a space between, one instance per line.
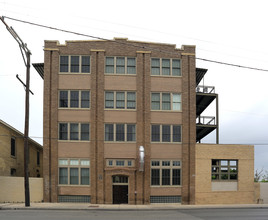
x=191, y=214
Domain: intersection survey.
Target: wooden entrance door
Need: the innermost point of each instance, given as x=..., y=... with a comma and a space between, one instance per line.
x=120, y=194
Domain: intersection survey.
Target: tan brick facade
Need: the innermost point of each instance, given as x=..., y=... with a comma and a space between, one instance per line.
x=98, y=151
x=16, y=162
x=244, y=191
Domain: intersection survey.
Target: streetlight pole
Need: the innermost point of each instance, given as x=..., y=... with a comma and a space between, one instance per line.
x=25, y=52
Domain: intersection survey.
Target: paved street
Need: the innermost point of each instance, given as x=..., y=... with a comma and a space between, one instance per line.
x=190, y=214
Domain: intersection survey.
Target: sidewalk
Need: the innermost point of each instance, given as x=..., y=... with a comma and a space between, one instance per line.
x=88, y=206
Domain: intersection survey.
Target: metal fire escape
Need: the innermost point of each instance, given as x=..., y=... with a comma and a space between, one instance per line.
x=205, y=95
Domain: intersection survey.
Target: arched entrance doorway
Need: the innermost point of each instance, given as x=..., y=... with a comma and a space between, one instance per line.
x=120, y=189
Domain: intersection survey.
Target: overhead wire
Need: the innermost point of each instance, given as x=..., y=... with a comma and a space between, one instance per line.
x=133, y=45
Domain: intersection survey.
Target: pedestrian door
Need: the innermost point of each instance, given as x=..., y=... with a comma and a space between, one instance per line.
x=120, y=190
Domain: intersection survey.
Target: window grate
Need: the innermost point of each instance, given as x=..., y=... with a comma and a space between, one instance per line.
x=74, y=199
x=165, y=199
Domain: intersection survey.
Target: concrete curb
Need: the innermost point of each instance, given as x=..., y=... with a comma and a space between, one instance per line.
x=88, y=207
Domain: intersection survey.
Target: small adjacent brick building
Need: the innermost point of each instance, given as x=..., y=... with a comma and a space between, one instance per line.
x=12, y=153
x=121, y=122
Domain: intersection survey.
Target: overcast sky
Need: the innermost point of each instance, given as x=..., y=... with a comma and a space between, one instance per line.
x=227, y=31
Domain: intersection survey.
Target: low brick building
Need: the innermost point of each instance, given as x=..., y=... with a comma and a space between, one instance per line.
x=12, y=153
x=121, y=122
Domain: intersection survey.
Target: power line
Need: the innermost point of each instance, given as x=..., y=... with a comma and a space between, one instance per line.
x=133, y=45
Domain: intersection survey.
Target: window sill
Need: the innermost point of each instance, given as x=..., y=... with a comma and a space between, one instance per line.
x=166, y=76
x=83, y=109
x=73, y=185
x=73, y=141
x=69, y=73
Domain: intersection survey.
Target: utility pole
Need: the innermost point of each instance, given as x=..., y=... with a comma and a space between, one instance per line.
x=25, y=52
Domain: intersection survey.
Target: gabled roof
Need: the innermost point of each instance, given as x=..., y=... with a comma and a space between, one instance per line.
x=19, y=133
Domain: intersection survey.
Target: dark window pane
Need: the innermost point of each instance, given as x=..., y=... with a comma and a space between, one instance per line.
x=109, y=67
x=166, y=103
x=75, y=64
x=63, y=176
x=13, y=147
x=109, y=99
x=176, y=175
x=85, y=100
x=85, y=64
x=63, y=131
x=85, y=132
x=155, y=102
x=38, y=158
x=155, y=66
x=74, y=99
x=155, y=177
x=131, y=132
x=120, y=100
x=131, y=100
x=64, y=99
x=176, y=133
x=165, y=177
x=74, y=131
x=84, y=176
x=64, y=64
x=166, y=133
x=109, y=132
x=155, y=133
x=120, y=64
x=74, y=176
x=120, y=132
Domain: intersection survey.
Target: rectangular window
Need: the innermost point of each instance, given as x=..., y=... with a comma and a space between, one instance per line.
x=63, y=131
x=120, y=65
x=85, y=99
x=155, y=66
x=84, y=176
x=63, y=176
x=74, y=171
x=64, y=64
x=166, y=133
x=131, y=100
x=75, y=64
x=131, y=132
x=119, y=163
x=165, y=67
x=109, y=132
x=109, y=99
x=64, y=99
x=165, y=173
x=166, y=105
x=120, y=132
x=118, y=100
x=13, y=147
x=38, y=158
x=131, y=65
x=155, y=133
x=166, y=101
x=74, y=99
x=85, y=67
x=85, y=132
x=155, y=103
x=109, y=67
x=74, y=131
x=224, y=170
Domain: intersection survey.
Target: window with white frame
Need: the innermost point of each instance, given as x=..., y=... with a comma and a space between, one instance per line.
x=165, y=101
x=74, y=171
x=166, y=133
x=120, y=100
x=120, y=65
x=120, y=132
x=165, y=67
x=120, y=162
x=165, y=172
x=224, y=170
x=74, y=99
x=74, y=64
x=74, y=131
